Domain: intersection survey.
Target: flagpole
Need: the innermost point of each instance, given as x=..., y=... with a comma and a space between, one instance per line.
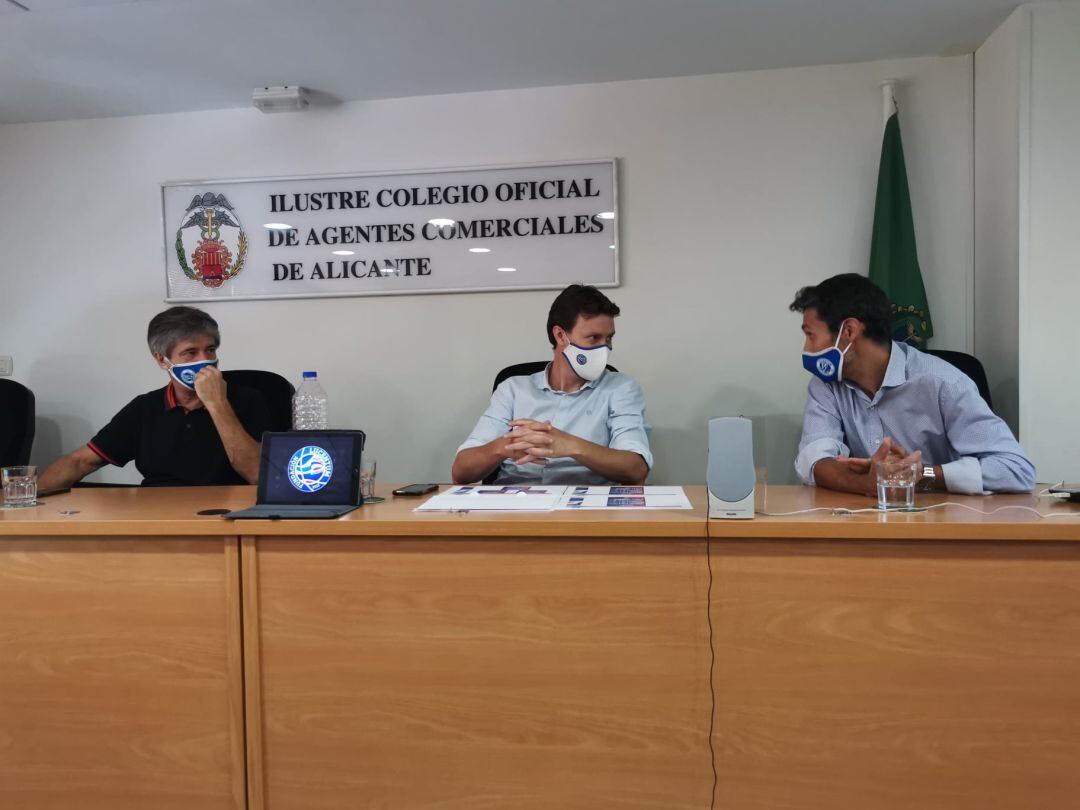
x=894, y=260
x=888, y=99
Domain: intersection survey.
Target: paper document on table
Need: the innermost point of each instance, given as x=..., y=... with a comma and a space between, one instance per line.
x=477, y=498
x=624, y=497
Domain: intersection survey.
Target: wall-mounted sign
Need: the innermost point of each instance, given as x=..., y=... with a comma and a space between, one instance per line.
x=454, y=230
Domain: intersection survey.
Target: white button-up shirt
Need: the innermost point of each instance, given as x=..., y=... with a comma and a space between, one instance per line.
x=925, y=404
x=609, y=411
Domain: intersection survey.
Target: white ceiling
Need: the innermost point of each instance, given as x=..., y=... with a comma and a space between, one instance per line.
x=65, y=59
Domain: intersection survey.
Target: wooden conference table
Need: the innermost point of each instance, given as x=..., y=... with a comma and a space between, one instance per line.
x=154, y=658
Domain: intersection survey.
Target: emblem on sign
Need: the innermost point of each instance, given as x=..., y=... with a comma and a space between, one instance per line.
x=213, y=238
x=310, y=468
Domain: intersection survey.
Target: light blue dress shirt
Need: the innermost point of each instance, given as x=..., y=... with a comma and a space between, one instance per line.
x=925, y=404
x=609, y=411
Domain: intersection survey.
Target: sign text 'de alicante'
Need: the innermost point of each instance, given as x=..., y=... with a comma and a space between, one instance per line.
x=453, y=230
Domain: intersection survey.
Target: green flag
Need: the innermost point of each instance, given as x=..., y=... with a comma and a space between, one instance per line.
x=894, y=263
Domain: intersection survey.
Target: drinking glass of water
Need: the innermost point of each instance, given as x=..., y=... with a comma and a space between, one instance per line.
x=896, y=480
x=367, y=479
x=20, y=486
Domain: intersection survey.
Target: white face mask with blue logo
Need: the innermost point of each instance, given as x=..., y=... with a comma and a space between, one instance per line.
x=828, y=364
x=184, y=373
x=588, y=364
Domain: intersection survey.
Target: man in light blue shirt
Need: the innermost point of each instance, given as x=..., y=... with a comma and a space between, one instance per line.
x=572, y=423
x=872, y=398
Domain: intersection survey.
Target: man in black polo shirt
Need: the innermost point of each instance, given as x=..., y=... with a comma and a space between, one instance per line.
x=194, y=431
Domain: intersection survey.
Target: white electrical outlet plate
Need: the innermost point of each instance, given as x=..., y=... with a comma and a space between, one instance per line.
x=6, y=365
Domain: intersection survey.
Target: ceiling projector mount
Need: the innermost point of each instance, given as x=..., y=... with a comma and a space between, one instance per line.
x=288, y=98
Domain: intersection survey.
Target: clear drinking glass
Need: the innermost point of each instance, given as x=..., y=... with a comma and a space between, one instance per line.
x=896, y=483
x=367, y=479
x=20, y=486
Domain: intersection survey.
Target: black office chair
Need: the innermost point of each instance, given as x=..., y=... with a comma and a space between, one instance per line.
x=16, y=423
x=275, y=389
x=970, y=366
x=519, y=370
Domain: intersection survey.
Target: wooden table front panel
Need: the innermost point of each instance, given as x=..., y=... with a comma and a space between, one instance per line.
x=475, y=674
x=873, y=675
x=120, y=682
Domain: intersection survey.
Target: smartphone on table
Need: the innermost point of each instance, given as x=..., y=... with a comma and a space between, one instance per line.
x=416, y=489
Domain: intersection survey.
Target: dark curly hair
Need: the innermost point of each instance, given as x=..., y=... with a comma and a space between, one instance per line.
x=849, y=295
x=577, y=299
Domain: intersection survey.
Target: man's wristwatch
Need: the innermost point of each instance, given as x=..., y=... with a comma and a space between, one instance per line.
x=926, y=483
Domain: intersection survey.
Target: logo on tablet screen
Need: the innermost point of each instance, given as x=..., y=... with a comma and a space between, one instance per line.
x=310, y=468
x=825, y=366
x=211, y=235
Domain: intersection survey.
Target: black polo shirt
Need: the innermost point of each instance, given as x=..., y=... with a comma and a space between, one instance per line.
x=172, y=446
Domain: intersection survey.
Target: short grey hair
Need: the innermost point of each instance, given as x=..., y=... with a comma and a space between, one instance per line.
x=179, y=323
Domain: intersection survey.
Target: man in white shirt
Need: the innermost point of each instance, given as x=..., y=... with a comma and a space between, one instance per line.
x=575, y=422
x=871, y=398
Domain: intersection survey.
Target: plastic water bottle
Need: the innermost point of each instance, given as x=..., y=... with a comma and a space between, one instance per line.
x=309, y=404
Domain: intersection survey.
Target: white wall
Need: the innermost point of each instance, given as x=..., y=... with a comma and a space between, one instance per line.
x=1049, y=273
x=997, y=210
x=735, y=190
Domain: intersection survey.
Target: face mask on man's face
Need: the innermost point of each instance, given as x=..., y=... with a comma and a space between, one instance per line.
x=185, y=373
x=828, y=364
x=588, y=364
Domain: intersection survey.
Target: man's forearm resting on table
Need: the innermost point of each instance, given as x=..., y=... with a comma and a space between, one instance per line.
x=69, y=470
x=473, y=463
x=620, y=466
x=829, y=473
x=1006, y=472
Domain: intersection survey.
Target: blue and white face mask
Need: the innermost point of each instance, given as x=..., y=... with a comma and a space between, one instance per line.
x=828, y=364
x=588, y=364
x=184, y=373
